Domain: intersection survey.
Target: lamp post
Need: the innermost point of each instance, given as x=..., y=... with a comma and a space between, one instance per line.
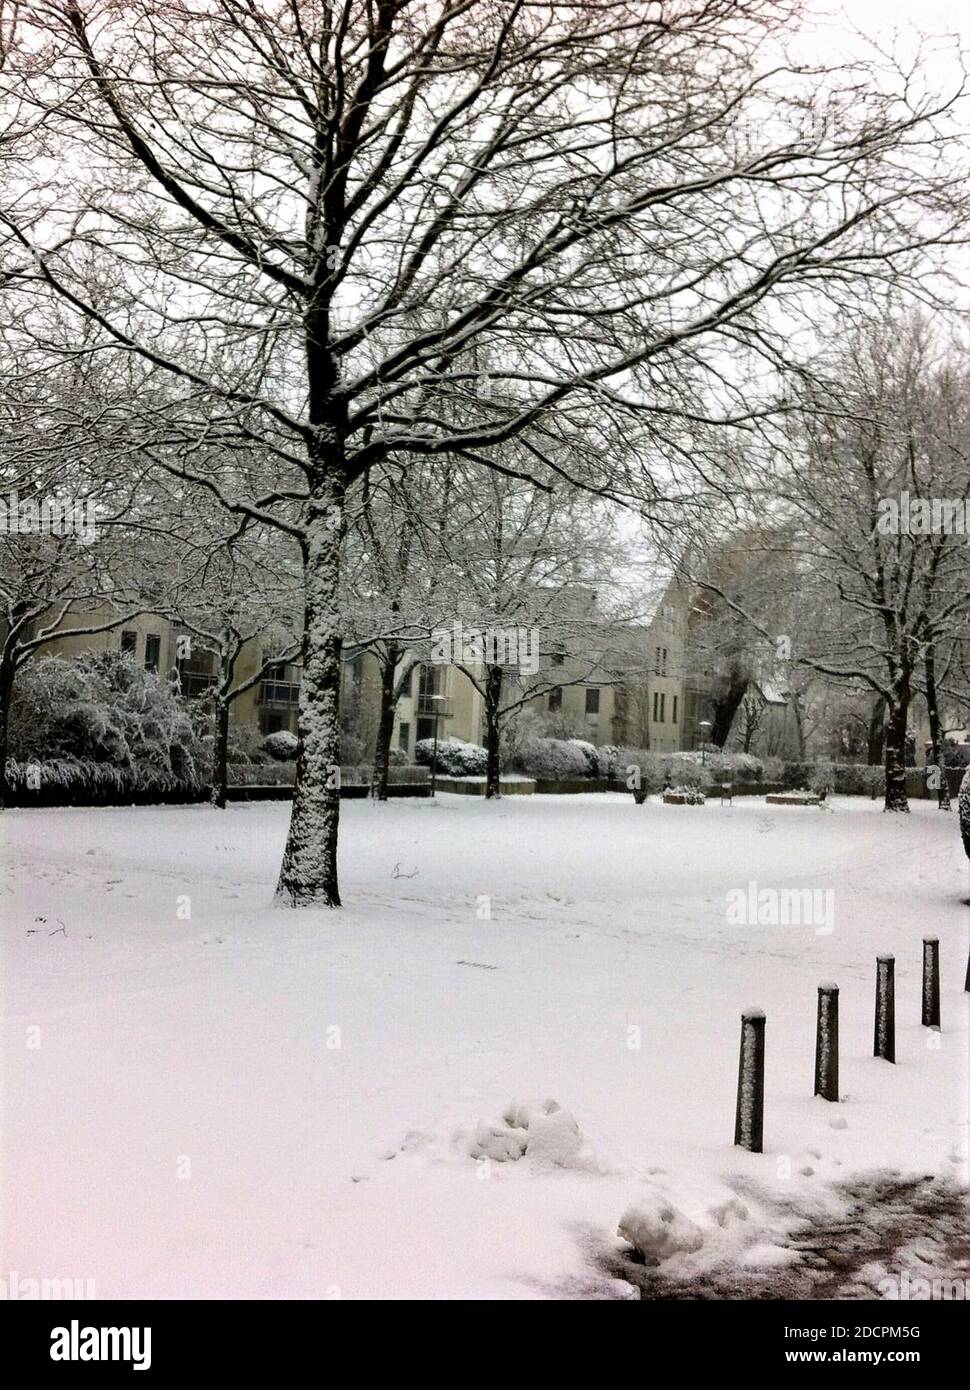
x=704, y=725
x=435, y=701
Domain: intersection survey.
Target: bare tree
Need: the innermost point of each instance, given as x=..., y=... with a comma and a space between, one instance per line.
x=608, y=196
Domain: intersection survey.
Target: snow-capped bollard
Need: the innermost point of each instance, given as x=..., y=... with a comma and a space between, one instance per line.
x=827, y=1043
x=884, y=1040
x=749, y=1118
x=931, y=982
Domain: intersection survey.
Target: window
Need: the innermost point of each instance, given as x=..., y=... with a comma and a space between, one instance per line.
x=129, y=641
x=404, y=737
x=555, y=699
x=663, y=701
x=656, y=708
x=153, y=651
x=357, y=669
x=592, y=702
x=673, y=716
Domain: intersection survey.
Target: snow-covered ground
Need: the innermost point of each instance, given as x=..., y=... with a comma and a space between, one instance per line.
x=255, y=1102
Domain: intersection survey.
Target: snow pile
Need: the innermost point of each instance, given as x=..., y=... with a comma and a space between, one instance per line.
x=540, y=1131
x=657, y=1230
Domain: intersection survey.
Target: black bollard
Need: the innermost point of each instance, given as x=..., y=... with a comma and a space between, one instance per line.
x=749, y=1117
x=884, y=1042
x=931, y=982
x=827, y=1043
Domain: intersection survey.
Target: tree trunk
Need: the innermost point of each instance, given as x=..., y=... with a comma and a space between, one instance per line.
x=726, y=705
x=936, y=742
x=493, y=696
x=308, y=876
x=385, y=726
x=7, y=673
x=220, y=755
x=798, y=712
x=896, y=799
x=876, y=734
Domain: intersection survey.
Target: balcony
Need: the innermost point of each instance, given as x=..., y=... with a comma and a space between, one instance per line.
x=430, y=705
x=279, y=694
x=195, y=683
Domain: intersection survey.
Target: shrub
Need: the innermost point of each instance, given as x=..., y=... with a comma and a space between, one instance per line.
x=455, y=758
x=822, y=779
x=956, y=755
x=552, y=759
x=608, y=758
x=693, y=796
x=104, y=708
x=589, y=752
x=76, y=782
x=353, y=748
x=282, y=745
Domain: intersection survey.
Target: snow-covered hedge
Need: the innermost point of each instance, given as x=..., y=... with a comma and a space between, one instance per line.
x=591, y=754
x=455, y=757
x=75, y=782
x=282, y=745
x=553, y=759
x=104, y=708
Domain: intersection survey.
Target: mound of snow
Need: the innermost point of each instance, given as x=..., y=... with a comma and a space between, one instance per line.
x=500, y=1143
x=553, y=1140
x=658, y=1230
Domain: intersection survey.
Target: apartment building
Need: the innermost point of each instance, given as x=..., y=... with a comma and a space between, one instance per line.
x=645, y=709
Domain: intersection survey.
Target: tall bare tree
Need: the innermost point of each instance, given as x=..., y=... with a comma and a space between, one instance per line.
x=609, y=196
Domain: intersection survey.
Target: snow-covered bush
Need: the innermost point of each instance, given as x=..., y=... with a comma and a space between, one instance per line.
x=70, y=782
x=608, y=757
x=282, y=745
x=552, y=759
x=692, y=795
x=103, y=707
x=681, y=770
x=822, y=780
x=743, y=767
x=245, y=745
x=589, y=752
x=639, y=770
x=353, y=747
x=956, y=754
x=455, y=757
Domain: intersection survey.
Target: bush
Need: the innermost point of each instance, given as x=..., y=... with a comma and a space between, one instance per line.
x=956, y=755
x=282, y=745
x=693, y=796
x=589, y=752
x=822, y=779
x=552, y=759
x=76, y=782
x=103, y=708
x=455, y=758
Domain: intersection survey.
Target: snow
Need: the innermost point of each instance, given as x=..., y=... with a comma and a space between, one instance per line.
x=209, y=1095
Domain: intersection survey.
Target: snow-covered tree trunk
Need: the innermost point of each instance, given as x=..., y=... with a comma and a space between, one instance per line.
x=385, y=728
x=896, y=799
x=963, y=806
x=936, y=741
x=493, y=701
x=220, y=755
x=309, y=872
x=7, y=673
